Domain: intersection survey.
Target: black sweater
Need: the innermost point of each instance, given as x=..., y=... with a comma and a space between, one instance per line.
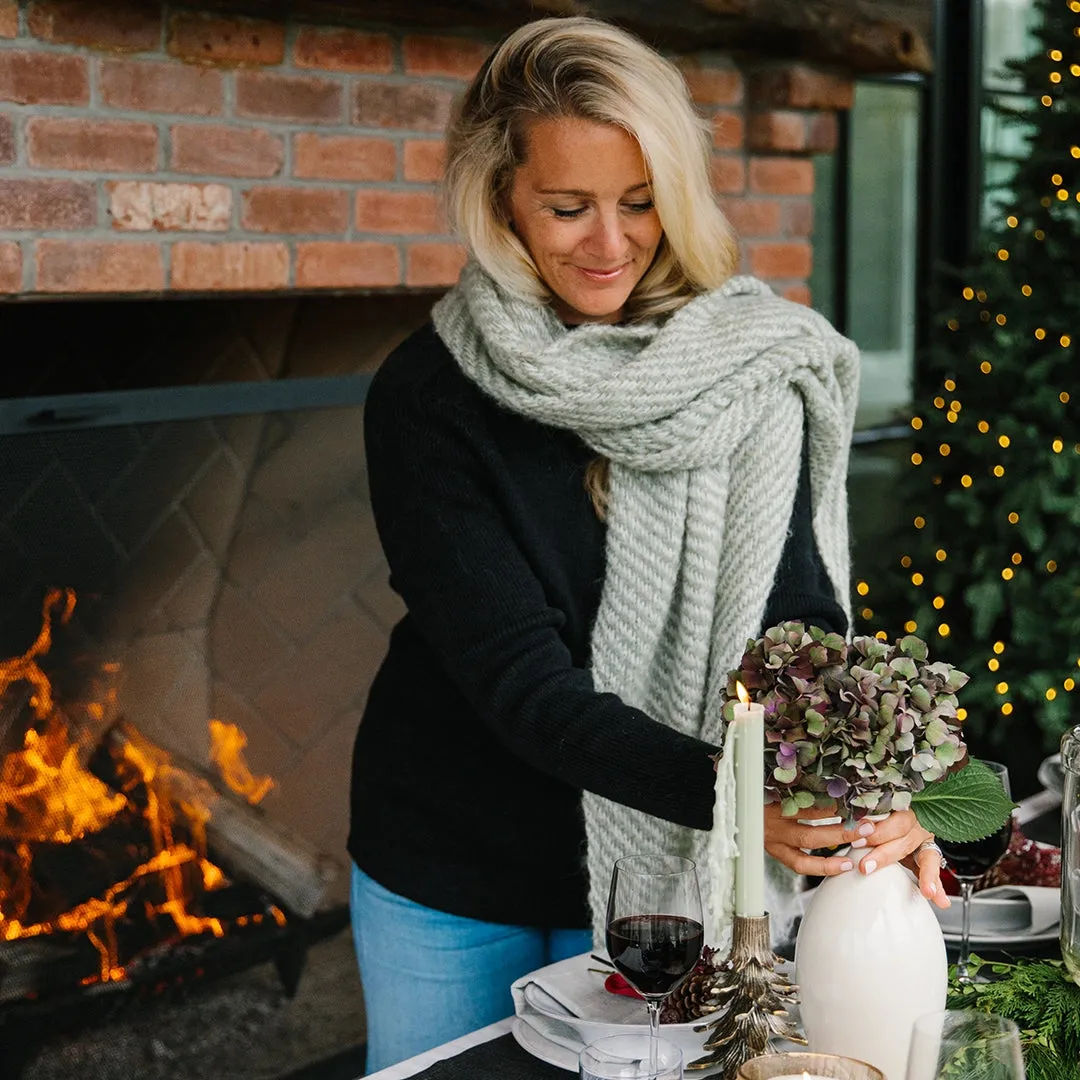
x=482, y=726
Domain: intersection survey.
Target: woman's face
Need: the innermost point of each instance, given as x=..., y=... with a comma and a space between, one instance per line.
x=582, y=206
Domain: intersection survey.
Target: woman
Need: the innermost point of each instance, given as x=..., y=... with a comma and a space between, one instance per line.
x=590, y=483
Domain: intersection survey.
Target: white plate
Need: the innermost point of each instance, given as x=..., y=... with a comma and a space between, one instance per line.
x=1000, y=941
x=531, y=1040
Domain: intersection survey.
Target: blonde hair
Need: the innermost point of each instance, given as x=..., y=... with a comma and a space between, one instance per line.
x=587, y=69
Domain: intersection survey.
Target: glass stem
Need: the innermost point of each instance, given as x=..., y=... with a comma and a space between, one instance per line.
x=654, y=1006
x=963, y=976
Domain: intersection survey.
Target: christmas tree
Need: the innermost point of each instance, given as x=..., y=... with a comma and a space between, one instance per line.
x=989, y=564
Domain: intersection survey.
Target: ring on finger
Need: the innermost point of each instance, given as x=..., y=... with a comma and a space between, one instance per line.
x=931, y=845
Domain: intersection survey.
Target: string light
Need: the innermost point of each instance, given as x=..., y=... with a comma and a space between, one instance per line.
x=1040, y=333
x=1026, y=290
x=961, y=714
x=944, y=629
x=983, y=426
x=1017, y=558
x=1003, y=440
x=911, y=626
x=1075, y=151
x=965, y=481
x=939, y=403
x=1051, y=693
x=1001, y=688
x=1007, y=573
x=1047, y=100
x=999, y=471
x=916, y=578
x=1057, y=446
x=951, y=417
x=1012, y=221
x=919, y=522
x=1051, y=566
x=905, y=561
x=862, y=588
x=993, y=663
x=1003, y=255
x=916, y=423
x=969, y=292
x=950, y=385
x=1070, y=685
x=1006, y=709
x=953, y=324
x=944, y=449
x=916, y=459
x=1000, y=320
x=940, y=555
x=939, y=602
x=955, y=406
x=999, y=648
x=980, y=295
x=1039, y=234
x=1014, y=517
x=1056, y=179
x=867, y=613
x=986, y=367
x=1055, y=55
x=881, y=636
x=1063, y=397
x=1065, y=341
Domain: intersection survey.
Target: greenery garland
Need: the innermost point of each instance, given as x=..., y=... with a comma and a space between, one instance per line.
x=1043, y=999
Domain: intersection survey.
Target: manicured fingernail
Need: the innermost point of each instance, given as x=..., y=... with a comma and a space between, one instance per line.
x=859, y=843
x=866, y=828
x=846, y=865
x=869, y=866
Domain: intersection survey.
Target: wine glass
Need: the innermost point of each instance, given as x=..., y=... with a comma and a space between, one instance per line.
x=654, y=928
x=969, y=862
x=963, y=1044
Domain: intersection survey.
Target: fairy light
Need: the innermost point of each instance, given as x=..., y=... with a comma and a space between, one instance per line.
x=969, y=292
x=1051, y=566
x=919, y=522
x=980, y=295
x=916, y=423
x=965, y=481
x=953, y=324
x=1063, y=397
x=911, y=626
x=916, y=459
x=1056, y=179
x=1065, y=341
x=1074, y=70
x=1003, y=440
x=940, y=555
x=982, y=425
x=1075, y=151
x=1057, y=446
x=939, y=403
x=1016, y=558
x=1014, y=517
x=862, y=588
x=950, y=385
x=1006, y=709
x=916, y=578
x=1039, y=234
x=1001, y=688
x=1000, y=320
x=944, y=449
x=1069, y=685
x=1055, y=55
x=955, y=406
x=986, y=367
x=999, y=471
x=1012, y=221
x=1003, y=254
x=1047, y=100
x=881, y=636
x=1007, y=573
x=999, y=648
x=993, y=663
x=905, y=561
x=1051, y=693
x=1026, y=290
x=961, y=714
x=939, y=602
x=944, y=629
x=1040, y=334
x=1062, y=195
x=1055, y=77
x=867, y=613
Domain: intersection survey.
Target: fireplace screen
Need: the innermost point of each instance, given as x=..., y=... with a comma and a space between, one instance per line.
x=192, y=605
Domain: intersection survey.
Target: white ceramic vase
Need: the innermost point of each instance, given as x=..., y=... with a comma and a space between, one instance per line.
x=869, y=961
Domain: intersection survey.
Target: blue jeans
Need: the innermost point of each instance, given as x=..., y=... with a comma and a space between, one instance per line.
x=430, y=977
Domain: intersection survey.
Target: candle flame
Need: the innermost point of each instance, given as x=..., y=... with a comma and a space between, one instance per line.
x=744, y=697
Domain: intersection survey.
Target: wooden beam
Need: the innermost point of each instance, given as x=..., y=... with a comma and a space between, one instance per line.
x=853, y=36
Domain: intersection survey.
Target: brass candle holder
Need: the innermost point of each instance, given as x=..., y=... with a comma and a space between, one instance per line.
x=751, y=998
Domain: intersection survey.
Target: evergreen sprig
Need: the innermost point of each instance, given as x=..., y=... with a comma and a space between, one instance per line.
x=1042, y=998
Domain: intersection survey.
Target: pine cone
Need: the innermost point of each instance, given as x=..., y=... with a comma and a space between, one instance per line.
x=691, y=1000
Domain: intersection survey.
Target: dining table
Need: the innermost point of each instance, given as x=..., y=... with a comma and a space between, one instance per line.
x=492, y=1052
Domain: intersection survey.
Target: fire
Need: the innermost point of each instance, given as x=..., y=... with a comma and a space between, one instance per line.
x=49, y=797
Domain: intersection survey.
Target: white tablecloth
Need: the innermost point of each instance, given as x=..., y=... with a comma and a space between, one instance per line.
x=440, y=1053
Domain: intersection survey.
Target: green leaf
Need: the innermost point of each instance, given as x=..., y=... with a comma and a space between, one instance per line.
x=965, y=806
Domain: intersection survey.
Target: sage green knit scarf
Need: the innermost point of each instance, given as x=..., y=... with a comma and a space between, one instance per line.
x=702, y=417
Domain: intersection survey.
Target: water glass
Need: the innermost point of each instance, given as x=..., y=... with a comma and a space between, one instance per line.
x=965, y=1043
x=627, y=1057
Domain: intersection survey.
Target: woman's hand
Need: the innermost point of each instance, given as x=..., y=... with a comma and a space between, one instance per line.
x=897, y=838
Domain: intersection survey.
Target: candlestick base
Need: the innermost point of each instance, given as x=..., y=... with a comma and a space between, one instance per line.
x=753, y=997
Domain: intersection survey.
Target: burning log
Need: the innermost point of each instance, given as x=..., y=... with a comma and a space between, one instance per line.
x=239, y=834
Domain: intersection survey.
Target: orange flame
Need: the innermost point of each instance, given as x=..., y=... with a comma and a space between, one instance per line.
x=227, y=744
x=49, y=796
x=740, y=690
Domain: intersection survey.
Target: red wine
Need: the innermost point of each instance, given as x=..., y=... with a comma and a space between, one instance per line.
x=654, y=953
x=973, y=860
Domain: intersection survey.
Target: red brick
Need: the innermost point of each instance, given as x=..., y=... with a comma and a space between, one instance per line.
x=47, y=204
x=457, y=58
x=425, y=160
x=9, y=18
x=343, y=157
x=10, y=267
x=281, y=97
x=140, y=206
x=781, y=176
x=7, y=140
x=823, y=133
x=213, y=150
x=799, y=293
x=433, y=264
x=727, y=128
x=122, y=25
x=712, y=85
x=729, y=174
x=161, y=87
x=41, y=78
x=345, y=265
x=409, y=212
x=295, y=210
x=410, y=106
x=213, y=39
x=799, y=218
x=796, y=86
x=753, y=217
x=777, y=130
x=790, y=260
x=54, y=142
x=223, y=267
x=343, y=50
x=91, y=266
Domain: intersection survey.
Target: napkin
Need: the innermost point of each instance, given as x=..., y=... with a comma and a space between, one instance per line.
x=1044, y=903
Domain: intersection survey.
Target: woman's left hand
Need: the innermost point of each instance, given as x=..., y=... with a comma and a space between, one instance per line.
x=897, y=839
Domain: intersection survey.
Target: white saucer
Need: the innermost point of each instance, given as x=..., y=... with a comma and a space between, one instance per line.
x=531, y=1040
x=999, y=941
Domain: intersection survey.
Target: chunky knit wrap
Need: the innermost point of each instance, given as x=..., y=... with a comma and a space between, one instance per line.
x=701, y=416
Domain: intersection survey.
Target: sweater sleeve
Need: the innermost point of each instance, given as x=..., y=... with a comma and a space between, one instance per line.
x=481, y=609
x=802, y=589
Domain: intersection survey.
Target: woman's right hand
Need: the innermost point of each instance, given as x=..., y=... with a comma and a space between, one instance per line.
x=785, y=838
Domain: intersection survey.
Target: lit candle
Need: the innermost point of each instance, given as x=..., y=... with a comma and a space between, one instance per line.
x=748, y=727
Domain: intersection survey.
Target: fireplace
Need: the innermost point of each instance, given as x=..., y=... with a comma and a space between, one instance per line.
x=193, y=604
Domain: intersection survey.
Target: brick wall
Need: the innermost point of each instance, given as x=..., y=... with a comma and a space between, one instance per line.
x=151, y=149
